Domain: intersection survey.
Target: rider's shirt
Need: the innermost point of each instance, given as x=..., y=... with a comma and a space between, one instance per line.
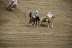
x=49, y=15
x=14, y=1
x=35, y=13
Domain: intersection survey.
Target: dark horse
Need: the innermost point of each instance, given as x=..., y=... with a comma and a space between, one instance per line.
x=34, y=20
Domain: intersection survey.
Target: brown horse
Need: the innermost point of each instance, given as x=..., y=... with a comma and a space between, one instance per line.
x=11, y=6
x=50, y=21
x=34, y=20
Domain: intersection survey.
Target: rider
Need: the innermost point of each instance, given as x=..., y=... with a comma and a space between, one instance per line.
x=12, y=3
x=35, y=14
x=49, y=15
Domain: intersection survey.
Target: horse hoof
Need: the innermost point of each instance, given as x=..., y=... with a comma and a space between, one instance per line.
x=52, y=27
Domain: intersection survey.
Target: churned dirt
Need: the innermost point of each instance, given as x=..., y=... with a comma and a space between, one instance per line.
x=15, y=32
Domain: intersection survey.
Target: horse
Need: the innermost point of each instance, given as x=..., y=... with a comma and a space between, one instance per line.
x=50, y=21
x=11, y=6
x=34, y=20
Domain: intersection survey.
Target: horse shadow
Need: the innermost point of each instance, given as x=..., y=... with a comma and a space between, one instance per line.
x=29, y=26
x=42, y=25
x=8, y=10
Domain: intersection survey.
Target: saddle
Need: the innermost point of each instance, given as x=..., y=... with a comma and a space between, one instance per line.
x=36, y=17
x=48, y=19
x=33, y=16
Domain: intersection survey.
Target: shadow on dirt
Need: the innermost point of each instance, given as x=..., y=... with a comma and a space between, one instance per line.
x=42, y=25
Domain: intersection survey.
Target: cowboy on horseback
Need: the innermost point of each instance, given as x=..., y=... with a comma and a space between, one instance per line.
x=14, y=2
x=12, y=5
x=34, y=18
x=49, y=15
x=35, y=14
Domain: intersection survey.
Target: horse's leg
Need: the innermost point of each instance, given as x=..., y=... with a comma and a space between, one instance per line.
x=12, y=9
x=15, y=6
x=33, y=23
x=36, y=23
x=29, y=21
x=52, y=25
x=48, y=25
x=9, y=7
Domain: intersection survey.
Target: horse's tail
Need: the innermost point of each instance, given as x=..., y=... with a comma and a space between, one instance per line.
x=30, y=14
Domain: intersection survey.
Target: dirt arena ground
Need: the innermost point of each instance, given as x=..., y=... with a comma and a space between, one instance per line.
x=16, y=33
